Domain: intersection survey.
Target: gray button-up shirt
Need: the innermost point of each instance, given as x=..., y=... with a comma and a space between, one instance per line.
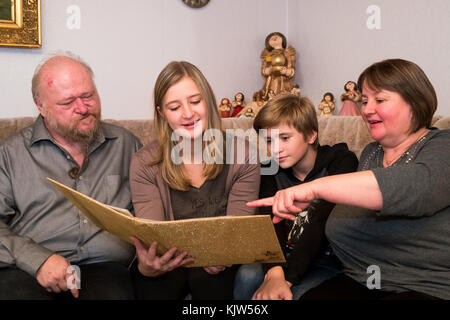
x=37, y=221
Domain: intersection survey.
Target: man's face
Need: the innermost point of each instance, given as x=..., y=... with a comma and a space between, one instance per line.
x=68, y=101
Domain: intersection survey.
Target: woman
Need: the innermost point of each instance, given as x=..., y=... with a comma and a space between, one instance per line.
x=200, y=185
x=397, y=210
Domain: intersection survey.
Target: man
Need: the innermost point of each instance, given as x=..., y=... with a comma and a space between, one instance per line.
x=41, y=233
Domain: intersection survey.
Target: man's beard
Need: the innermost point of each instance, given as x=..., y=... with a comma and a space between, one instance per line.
x=72, y=134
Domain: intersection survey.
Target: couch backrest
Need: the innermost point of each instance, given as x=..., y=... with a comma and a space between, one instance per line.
x=10, y=126
x=332, y=130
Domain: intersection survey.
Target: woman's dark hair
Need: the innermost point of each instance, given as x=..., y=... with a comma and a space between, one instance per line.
x=408, y=80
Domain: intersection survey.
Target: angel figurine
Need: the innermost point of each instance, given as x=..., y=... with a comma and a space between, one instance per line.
x=238, y=104
x=296, y=90
x=326, y=106
x=277, y=66
x=350, y=97
x=249, y=113
x=225, y=108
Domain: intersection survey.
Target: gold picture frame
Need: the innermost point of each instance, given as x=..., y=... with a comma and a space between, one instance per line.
x=21, y=28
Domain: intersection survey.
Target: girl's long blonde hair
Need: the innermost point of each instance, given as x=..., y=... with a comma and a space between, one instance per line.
x=172, y=173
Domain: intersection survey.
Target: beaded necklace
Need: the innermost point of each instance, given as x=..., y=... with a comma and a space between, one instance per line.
x=403, y=158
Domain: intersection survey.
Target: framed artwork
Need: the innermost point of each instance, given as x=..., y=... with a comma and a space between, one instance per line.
x=20, y=23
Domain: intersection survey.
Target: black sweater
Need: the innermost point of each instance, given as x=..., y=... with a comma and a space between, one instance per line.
x=312, y=241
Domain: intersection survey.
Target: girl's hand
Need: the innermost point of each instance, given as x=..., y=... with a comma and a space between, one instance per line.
x=215, y=269
x=150, y=265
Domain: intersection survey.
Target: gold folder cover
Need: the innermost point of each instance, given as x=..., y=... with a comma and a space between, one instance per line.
x=210, y=241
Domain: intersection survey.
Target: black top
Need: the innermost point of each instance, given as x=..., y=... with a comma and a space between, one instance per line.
x=208, y=200
x=305, y=239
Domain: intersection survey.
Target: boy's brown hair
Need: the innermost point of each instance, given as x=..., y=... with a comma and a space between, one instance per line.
x=295, y=111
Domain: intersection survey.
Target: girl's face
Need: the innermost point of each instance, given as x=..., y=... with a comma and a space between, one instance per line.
x=238, y=97
x=327, y=98
x=387, y=115
x=184, y=108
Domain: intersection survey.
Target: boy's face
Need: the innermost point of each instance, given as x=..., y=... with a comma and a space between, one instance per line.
x=292, y=145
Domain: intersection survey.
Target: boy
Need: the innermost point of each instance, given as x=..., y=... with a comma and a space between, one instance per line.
x=293, y=122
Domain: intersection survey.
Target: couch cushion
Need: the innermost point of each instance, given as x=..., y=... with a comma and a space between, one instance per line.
x=349, y=129
x=10, y=126
x=237, y=123
x=143, y=129
x=443, y=123
x=332, y=130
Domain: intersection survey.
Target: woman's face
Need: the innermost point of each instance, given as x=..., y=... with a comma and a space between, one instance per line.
x=184, y=108
x=327, y=98
x=276, y=42
x=387, y=115
x=238, y=97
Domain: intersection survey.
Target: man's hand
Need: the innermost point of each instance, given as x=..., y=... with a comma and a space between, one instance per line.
x=52, y=275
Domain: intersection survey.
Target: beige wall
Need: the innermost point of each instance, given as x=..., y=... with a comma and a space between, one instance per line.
x=334, y=44
x=128, y=46
x=127, y=43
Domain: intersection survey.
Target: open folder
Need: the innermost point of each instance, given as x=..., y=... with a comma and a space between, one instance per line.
x=210, y=241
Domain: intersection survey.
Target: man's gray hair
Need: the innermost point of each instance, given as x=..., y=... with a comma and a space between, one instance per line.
x=35, y=82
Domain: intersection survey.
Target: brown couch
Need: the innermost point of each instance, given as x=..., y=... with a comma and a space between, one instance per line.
x=332, y=130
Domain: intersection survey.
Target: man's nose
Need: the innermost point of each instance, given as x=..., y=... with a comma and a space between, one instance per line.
x=80, y=106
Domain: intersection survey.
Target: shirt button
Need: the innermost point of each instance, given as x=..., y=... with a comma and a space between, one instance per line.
x=68, y=157
x=84, y=221
x=81, y=178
